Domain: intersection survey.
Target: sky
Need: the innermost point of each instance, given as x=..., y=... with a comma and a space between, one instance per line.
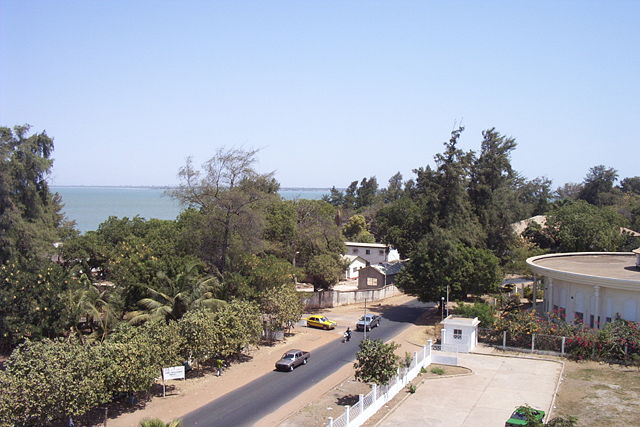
x=328, y=91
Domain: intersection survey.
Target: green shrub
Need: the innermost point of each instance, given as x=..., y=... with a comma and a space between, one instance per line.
x=437, y=370
x=484, y=312
x=411, y=388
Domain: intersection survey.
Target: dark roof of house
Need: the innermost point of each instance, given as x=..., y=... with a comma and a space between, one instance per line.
x=389, y=268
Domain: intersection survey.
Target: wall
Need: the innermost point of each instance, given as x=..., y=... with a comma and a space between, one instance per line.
x=370, y=273
x=373, y=257
x=328, y=299
x=357, y=265
x=580, y=297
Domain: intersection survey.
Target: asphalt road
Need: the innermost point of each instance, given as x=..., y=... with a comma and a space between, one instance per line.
x=248, y=404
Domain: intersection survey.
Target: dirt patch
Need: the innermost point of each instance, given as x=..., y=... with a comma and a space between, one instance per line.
x=599, y=394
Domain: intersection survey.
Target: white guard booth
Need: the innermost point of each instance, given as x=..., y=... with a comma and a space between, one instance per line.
x=459, y=334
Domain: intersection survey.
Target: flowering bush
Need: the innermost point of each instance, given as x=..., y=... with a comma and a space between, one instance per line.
x=618, y=341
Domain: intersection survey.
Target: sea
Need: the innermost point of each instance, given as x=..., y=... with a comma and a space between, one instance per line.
x=90, y=206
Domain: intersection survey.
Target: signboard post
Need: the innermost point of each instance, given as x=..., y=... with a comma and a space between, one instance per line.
x=172, y=373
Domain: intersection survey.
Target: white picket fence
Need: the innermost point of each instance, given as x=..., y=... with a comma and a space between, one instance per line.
x=369, y=404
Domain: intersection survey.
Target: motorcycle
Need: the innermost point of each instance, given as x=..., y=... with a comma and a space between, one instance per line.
x=346, y=336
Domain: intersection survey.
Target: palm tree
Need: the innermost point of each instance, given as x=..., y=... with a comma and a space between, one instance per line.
x=186, y=291
x=91, y=302
x=157, y=422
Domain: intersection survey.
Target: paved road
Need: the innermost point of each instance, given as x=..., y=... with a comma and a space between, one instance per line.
x=248, y=404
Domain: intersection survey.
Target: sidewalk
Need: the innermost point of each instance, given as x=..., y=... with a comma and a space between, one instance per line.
x=486, y=398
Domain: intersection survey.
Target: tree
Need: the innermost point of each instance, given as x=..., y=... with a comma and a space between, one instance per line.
x=394, y=189
x=597, y=185
x=157, y=422
x=366, y=192
x=300, y=230
x=376, y=362
x=582, y=227
x=535, y=195
x=132, y=360
x=631, y=185
x=491, y=190
x=402, y=224
x=48, y=381
x=229, y=194
x=283, y=305
x=30, y=215
x=325, y=270
x=350, y=199
x=441, y=261
x=32, y=302
x=238, y=325
x=199, y=334
x=335, y=197
x=355, y=230
x=569, y=191
x=90, y=308
x=485, y=313
x=188, y=289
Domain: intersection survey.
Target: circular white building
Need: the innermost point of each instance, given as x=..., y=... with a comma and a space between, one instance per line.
x=590, y=287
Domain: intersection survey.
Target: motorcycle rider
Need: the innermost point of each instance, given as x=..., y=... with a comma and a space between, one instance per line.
x=347, y=334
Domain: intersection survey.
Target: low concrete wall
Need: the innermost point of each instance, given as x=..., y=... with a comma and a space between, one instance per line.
x=328, y=299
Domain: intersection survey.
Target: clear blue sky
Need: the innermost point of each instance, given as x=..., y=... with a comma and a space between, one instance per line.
x=331, y=91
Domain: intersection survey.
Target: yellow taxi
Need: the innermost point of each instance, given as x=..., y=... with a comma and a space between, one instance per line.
x=319, y=321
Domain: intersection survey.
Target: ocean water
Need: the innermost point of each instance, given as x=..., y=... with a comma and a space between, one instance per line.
x=90, y=206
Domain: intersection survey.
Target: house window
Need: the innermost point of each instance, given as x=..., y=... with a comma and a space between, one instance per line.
x=591, y=321
x=355, y=250
x=368, y=252
x=578, y=317
x=381, y=252
x=608, y=320
x=562, y=313
x=355, y=269
x=372, y=281
x=457, y=334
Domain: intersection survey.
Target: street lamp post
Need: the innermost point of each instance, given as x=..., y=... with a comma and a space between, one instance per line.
x=447, y=300
x=295, y=278
x=442, y=308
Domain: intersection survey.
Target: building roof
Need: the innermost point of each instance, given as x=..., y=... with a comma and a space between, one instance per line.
x=366, y=245
x=389, y=268
x=520, y=226
x=612, y=269
x=453, y=320
x=352, y=258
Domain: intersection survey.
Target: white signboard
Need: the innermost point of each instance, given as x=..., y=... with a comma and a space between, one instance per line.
x=173, y=373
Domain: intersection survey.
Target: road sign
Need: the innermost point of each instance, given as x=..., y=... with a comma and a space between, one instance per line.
x=173, y=373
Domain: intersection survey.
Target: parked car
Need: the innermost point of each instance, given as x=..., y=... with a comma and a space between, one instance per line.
x=291, y=359
x=319, y=321
x=519, y=416
x=368, y=322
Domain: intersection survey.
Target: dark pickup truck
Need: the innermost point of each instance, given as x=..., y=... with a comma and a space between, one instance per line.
x=368, y=322
x=291, y=359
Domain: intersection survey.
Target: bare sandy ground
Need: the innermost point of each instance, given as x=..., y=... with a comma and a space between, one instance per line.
x=186, y=396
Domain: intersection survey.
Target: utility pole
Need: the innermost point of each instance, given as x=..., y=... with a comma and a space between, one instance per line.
x=365, y=319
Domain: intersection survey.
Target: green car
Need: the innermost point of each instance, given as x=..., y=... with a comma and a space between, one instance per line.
x=519, y=416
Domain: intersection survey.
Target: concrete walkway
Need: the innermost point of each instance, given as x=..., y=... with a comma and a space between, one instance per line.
x=486, y=398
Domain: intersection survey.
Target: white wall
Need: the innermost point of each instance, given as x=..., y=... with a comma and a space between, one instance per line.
x=374, y=256
x=575, y=297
